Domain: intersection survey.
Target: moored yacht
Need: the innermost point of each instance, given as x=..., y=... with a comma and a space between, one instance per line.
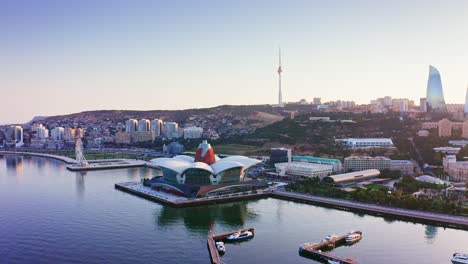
x=331, y=237
x=459, y=258
x=239, y=236
x=353, y=237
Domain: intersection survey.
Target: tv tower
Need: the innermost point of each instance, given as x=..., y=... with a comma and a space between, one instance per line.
x=280, y=94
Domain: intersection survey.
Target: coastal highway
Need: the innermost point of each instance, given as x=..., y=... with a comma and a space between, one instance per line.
x=459, y=221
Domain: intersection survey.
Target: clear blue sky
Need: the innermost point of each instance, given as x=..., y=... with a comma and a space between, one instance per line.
x=60, y=57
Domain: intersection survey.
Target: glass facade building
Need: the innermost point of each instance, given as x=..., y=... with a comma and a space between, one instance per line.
x=435, y=96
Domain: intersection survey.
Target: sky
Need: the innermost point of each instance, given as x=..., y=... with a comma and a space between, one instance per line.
x=61, y=57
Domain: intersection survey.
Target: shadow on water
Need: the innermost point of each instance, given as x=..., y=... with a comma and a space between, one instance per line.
x=202, y=219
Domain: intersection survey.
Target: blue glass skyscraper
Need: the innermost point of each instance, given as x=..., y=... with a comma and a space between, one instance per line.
x=435, y=95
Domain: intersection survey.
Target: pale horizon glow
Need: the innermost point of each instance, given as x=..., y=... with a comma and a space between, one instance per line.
x=61, y=57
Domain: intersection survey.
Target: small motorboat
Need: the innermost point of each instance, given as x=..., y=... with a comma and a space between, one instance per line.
x=353, y=237
x=240, y=236
x=220, y=247
x=459, y=258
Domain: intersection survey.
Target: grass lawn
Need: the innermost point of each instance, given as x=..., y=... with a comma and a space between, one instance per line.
x=234, y=149
x=376, y=187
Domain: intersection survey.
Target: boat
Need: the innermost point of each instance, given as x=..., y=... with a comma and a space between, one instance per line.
x=459, y=258
x=220, y=247
x=353, y=237
x=331, y=237
x=239, y=236
x=331, y=261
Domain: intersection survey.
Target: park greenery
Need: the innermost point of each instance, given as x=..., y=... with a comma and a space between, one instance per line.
x=402, y=196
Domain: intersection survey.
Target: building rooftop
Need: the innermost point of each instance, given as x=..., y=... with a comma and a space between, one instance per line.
x=388, y=140
x=366, y=158
x=316, y=159
x=395, y=162
x=305, y=165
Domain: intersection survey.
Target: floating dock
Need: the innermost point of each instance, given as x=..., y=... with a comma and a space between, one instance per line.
x=213, y=238
x=314, y=250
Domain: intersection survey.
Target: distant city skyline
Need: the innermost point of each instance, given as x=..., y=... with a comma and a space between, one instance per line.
x=61, y=58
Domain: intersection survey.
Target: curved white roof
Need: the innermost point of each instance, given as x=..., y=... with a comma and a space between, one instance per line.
x=184, y=158
x=173, y=164
x=223, y=165
x=245, y=161
x=181, y=163
x=200, y=166
x=427, y=178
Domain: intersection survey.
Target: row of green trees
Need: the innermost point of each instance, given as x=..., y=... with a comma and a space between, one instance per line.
x=401, y=197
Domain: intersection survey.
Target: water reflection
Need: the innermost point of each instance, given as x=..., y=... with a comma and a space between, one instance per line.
x=80, y=183
x=430, y=233
x=14, y=164
x=202, y=219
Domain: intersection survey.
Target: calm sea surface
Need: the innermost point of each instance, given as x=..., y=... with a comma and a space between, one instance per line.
x=51, y=215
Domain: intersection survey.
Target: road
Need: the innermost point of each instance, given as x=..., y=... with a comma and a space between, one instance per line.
x=459, y=221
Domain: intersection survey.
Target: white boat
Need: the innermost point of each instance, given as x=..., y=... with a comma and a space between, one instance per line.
x=220, y=247
x=331, y=237
x=459, y=258
x=238, y=236
x=353, y=237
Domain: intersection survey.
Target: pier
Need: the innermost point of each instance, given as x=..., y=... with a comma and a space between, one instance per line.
x=213, y=238
x=107, y=164
x=314, y=250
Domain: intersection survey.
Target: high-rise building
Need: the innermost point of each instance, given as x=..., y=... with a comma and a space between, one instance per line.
x=435, y=95
x=317, y=101
x=79, y=132
x=131, y=125
x=156, y=126
x=144, y=125
x=466, y=101
x=69, y=134
x=445, y=128
x=193, y=132
x=41, y=132
x=387, y=101
x=171, y=129
x=465, y=129
x=57, y=133
x=422, y=105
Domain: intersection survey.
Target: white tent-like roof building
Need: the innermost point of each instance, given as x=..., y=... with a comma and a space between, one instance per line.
x=184, y=169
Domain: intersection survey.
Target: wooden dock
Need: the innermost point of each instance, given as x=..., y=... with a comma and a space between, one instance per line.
x=213, y=238
x=314, y=250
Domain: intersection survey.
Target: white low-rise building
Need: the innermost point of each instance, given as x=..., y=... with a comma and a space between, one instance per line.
x=303, y=169
x=457, y=170
x=360, y=163
x=447, y=150
x=405, y=166
x=356, y=143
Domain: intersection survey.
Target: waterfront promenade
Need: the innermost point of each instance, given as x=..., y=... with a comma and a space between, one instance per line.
x=450, y=220
x=61, y=158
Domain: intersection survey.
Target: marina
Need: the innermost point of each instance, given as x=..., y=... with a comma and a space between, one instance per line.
x=91, y=212
x=213, y=238
x=316, y=250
